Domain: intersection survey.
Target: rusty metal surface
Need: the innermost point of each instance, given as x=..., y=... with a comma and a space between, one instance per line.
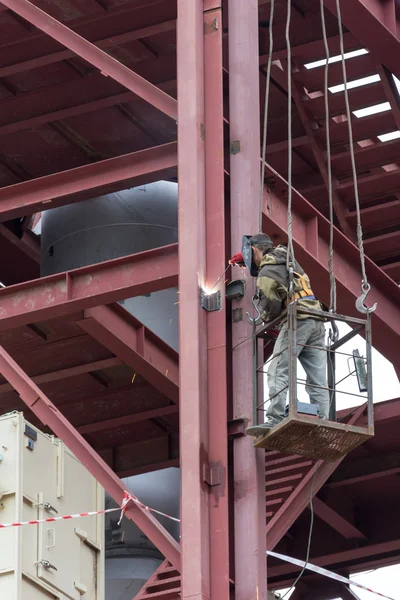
x=310, y=438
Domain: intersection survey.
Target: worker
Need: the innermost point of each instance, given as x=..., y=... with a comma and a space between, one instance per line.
x=272, y=294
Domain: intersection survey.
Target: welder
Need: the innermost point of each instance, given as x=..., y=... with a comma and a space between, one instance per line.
x=269, y=264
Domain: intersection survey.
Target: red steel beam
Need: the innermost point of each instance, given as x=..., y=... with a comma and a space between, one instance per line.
x=336, y=521
x=249, y=464
x=311, y=240
x=95, y=56
x=49, y=415
x=110, y=41
x=97, y=365
x=108, y=424
x=84, y=288
x=339, y=206
x=68, y=186
x=195, y=523
x=375, y=26
x=216, y=321
x=361, y=555
x=136, y=346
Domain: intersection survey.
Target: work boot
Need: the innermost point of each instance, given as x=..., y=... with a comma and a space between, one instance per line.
x=261, y=429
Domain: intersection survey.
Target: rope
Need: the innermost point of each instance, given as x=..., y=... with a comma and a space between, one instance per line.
x=365, y=285
x=332, y=280
x=290, y=253
x=266, y=105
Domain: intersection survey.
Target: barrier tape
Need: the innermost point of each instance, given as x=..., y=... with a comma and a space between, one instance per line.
x=128, y=497
x=326, y=573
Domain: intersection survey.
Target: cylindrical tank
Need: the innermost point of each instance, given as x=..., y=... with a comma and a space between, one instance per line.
x=130, y=556
x=116, y=225
x=101, y=229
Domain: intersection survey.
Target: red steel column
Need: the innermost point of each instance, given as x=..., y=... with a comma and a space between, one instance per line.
x=203, y=387
x=216, y=321
x=244, y=117
x=192, y=319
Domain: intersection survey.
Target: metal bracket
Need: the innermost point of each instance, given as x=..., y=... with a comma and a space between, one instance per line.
x=210, y=302
x=235, y=290
x=237, y=428
x=212, y=475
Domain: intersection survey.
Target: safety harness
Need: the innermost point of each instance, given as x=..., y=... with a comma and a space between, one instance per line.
x=302, y=291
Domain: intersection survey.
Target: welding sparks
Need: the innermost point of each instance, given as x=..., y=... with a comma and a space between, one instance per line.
x=133, y=378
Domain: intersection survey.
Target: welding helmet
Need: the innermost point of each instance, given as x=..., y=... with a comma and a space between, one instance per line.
x=247, y=253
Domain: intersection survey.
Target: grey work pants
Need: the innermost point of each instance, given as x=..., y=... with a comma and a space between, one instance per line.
x=313, y=361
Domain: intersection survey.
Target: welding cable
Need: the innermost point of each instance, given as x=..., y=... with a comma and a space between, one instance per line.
x=266, y=106
x=351, y=147
x=309, y=537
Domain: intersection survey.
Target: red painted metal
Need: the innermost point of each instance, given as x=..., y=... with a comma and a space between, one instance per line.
x=311, y=235
x=136, y=346
x=339, y=206
x=94, y=55
x=195, y=524
x=48, y=413
x=216, y=321
x=346, y=556
x=102, y=177
x=97, y=365
x=87, y=287
x=244, y=109
x=336, y=521
x=375, y=26
x=127, y=420
x=109, y=42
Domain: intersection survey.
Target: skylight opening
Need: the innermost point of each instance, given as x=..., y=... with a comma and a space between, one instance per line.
x=371, y=110
x=388, y=137
x=355, y=83
x=334, y=59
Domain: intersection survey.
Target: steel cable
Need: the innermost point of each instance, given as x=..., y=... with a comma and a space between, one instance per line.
x=266, y=106
x=365, y=285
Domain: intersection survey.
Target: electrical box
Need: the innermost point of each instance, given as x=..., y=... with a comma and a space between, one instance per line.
x=39, y=479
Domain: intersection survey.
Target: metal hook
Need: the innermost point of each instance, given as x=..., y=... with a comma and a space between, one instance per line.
x=258, y=319
x=360, y=306
x=333, y=332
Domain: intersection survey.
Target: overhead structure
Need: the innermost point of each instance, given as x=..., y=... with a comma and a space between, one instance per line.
x=94, y=97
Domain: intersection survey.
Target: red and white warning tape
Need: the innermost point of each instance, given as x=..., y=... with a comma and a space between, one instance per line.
x=326, y=573
x=128, y=497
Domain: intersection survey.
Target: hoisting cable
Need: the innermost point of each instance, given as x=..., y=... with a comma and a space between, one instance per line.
x=364, y=285
x=266, y=106
x=332, y=280
x=300, y=575
x=290, y=253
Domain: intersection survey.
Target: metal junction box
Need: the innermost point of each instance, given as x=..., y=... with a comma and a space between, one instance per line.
x=40, y=478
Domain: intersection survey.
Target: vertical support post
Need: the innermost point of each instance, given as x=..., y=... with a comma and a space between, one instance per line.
x=370, y=397
x=216, y=321
x=192, y=319
x=331, y=363
x=244, y=109
x=203, y=386
x=292, y=341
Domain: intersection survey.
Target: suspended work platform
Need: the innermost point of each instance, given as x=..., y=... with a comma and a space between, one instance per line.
x=308, y=435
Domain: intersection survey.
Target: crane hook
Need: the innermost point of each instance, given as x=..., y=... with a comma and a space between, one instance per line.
x=360, y=306
x=258, y=319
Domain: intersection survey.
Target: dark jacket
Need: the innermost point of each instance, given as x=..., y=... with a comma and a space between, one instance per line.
x=272, y=285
